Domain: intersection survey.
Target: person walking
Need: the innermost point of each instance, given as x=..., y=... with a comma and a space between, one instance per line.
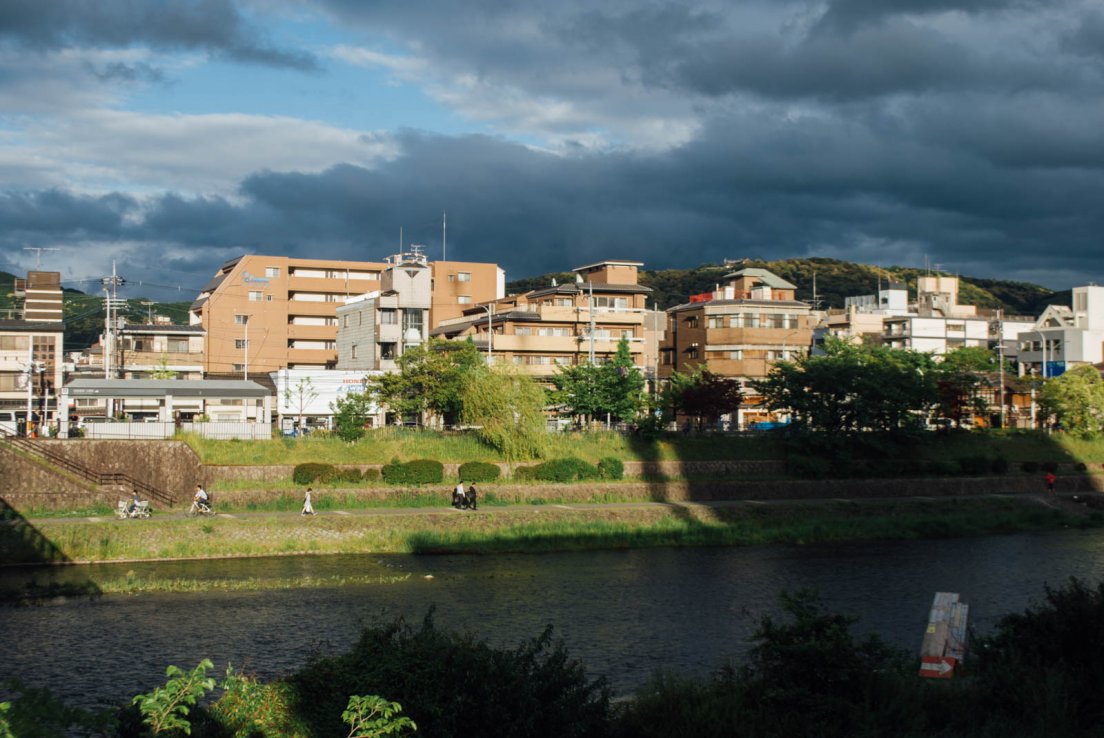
x=458, y=495
x=472, y=497
x=308, y=509
x=1050, y=480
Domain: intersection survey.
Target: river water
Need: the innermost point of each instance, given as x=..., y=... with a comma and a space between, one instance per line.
x=624, y=613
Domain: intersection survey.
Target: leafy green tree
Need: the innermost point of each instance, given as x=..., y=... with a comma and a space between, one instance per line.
x=166, y=708
x=703, y=395
x=852, y=388
x=1076, y=399
x=591, y=392
x=162, y=370
x=963, y=383
x=373, y=717
x=430, y=379
x=351, y=413
x=507, y=410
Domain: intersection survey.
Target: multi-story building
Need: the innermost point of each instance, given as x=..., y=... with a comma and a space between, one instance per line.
x=1063, y=337
x=375, y=329
x=562, y=324
x=160, y=349
x=738, y=331
x=31, y=352
x=263, y=313
x=862, y=316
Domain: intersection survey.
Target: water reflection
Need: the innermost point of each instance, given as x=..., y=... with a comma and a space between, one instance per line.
x=624, y=613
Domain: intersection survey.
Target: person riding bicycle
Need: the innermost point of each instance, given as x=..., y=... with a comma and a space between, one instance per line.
x=200, y=500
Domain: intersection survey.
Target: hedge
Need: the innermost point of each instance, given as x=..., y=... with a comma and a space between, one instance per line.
x=558, y=470
x=418, y=471
x=479, y=471
x=310, y=473
x=610, y=467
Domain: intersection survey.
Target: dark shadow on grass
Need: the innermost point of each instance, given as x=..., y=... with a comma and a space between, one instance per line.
x=23, y=544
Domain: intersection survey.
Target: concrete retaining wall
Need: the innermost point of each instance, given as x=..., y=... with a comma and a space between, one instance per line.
x=170, y=466
x=26, y=484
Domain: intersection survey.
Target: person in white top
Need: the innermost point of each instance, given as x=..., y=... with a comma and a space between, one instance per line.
x=307, y=508
x=458, y=495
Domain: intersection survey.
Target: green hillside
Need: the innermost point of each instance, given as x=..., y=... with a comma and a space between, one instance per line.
x=835, y=280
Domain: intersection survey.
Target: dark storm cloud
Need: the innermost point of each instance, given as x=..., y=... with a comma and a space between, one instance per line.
x=215, y=26
x=58, y=214
x=846, y=15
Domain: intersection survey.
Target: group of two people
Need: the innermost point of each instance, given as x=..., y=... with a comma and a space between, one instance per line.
x=462, y=500
x=201, y=501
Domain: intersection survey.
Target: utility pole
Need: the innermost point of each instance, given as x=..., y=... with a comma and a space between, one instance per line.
x=245, y=348
x=111, y=302
x=1000, y=355
x=590, y=305
x=149, y=311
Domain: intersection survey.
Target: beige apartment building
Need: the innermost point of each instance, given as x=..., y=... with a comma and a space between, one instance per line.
x=561, y=325
x=263, y=313
x=739, y=330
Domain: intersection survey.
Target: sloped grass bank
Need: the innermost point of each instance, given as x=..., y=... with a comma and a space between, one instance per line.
x=547, y=529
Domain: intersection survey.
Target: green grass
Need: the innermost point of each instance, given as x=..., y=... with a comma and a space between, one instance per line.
x=382, y=445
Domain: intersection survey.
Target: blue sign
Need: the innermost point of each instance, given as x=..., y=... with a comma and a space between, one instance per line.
x=249, y=278
x=1055, y=368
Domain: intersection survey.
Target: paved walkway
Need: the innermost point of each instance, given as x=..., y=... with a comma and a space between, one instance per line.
x=1065, y=503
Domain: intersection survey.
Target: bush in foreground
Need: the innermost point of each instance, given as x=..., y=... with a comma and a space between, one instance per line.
x=418, y=471
x=479, y=471
x=312, y=473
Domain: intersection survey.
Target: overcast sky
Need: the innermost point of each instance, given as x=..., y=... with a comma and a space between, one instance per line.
x=171, y=136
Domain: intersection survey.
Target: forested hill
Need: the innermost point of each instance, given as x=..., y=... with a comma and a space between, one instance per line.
x=835, y=280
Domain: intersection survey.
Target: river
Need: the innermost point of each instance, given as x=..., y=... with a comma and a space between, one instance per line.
x=624, y=613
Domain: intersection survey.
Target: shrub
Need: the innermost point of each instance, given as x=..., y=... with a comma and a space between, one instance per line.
x=1029, y=467
x=1080, y=466
x=524, y=472
x=349, y=475
x=974, y=465
x=808, y=467
x=370, y=475
x=457, y=685
x=311, y=473
x=418, y=471
x=565, y=470
x=1049, y=466
x=999, y=466
x=611, y=467
x=479, y=471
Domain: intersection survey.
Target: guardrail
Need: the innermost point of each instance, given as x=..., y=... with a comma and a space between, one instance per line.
x=137, y=486
x=157, y=430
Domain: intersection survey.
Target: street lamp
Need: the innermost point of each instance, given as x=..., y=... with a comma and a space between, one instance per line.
x=1044, y=345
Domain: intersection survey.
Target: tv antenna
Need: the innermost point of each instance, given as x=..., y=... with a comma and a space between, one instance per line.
x=38, y=254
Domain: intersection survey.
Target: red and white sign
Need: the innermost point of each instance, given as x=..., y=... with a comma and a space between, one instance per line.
x=937, y=667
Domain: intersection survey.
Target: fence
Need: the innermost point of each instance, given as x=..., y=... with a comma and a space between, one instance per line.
x=156, y=430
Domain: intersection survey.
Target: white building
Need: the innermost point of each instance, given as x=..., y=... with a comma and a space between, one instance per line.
x=1064, y=337
x=376, y=328
x=311, y=394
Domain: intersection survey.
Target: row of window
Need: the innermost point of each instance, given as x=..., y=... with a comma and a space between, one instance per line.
x=324, y=273
x=746, y=320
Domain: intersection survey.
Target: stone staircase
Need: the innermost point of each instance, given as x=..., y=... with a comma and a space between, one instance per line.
x=115, y=482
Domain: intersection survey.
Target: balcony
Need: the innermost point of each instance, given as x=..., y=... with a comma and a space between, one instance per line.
x=153, y=359
x=311, y=356
x=338, y=286
x=312, y=332
x=312, y=309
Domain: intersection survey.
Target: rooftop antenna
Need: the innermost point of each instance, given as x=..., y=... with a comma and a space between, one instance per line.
x=444, y=232
x=38, y=254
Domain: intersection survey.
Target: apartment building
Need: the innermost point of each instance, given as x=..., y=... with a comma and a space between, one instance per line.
x=1064, y=337
x=739, y=330
x=31, y=352
x=562, y=324
x=862, y=317
x=160, y=349
x=376, y=328
x=264, y=313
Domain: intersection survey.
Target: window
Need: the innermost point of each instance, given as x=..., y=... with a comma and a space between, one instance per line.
x=272, y=272
x=715, y=321
x=241, y=319
x=178, y=345
x=554, y=331
x=237, y=367
x=463, y=277
x=387, y=351
x=239, y=343
x=464, y=299
x=692, y=352
x=667, y=357
x=360, y=318
x=268, y=298
x=412, y=319
x=692, y=322
x=255, y=295
x=737, y=355
x=562, y=302
x=388, y=316
x=344, y=321
x=523, y=331
x=13, y=343
x=353, y=348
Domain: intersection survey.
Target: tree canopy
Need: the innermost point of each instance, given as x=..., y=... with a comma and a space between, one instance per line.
x=430, y=380
x=507, y=411
x=703, y=395
x=591, y=392
x=1076, y=399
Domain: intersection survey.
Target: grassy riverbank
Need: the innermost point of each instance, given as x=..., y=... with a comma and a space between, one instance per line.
x=527, y=529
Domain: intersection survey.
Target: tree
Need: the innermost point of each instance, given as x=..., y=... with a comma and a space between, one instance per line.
x=703, y=395
x=351, y=413
x=592, y=392
x=1076, y=399
x=299, y=396
x=962, y=382
x=507, y=410
x=162, y=370
x=852, y=388
x=430, y=379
